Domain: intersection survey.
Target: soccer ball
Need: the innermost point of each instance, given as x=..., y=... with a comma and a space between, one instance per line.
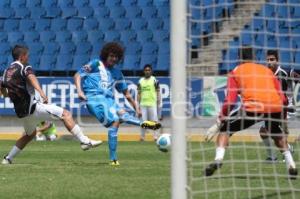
x=164, y=142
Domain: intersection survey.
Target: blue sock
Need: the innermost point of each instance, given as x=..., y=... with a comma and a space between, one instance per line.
x=126, y=117
x=113, y=142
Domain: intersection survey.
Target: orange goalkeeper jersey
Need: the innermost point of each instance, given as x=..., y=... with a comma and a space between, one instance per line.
x=259, y=89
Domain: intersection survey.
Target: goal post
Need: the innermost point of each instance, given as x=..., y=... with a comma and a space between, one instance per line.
x=178, y=83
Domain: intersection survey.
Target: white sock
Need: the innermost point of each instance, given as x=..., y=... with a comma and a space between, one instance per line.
x=220, y=152
x=269, y=149
x=13, y=152
x=289, y=159
x=79, y=135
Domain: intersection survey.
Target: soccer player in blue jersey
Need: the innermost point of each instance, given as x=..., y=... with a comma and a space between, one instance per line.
x=95, y=83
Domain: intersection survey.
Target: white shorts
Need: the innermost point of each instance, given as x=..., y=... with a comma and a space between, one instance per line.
x=42, y=112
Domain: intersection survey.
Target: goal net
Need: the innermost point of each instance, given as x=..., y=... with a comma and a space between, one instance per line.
x=217, y=29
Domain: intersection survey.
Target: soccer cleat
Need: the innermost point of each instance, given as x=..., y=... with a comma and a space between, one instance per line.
x=211, y=168
x=114, y=163
x=91, y=144
x=150, y=125
x=271, y=160
x=6, y=160
x=293, y=172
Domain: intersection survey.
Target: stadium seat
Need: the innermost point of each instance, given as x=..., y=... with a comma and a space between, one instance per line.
x=63, y=36
x=268, y=10
x=133, y=12
x=81, y=3
x=3, y=63
x=27, y=25
x=102, y=12
x=97, y=3
x=260, y=40
x=11, y=25
x=155, y=24
x=131, y=62
x=47, y=62
x=122, y=24
x=257, y=23
x=271, y=25
x=63, y=63
x=95, y=36
x=84, y=48
x=43, y=24
x=51, y=49
x=145, y=3
x=247, y=38
x=111, y=3
x=32, y=36
x=3, y=37
x=75, y=24
x=144, y=36
x=65, y=3
x=148, y=59
x=96, y=49
x=17, y=4
x=161, y=36
x=4, y=3
x=67, y=48
x=22, y=13
x=129, y=3
x=161, y=2
x=79, y=36
x=297, y=60
x=37, y=12
x=86, y=12
x=36, y=48
x=163, y=12
x=106, y=24
x=58, y=24
x=7, y=13
x=53, y=12
x=112, y=35
x=167, y=24
x=164, y=47
x=163, y=62
x=282, y=11
x=49, y=3
x=14, y=37
x=69, y=12
x=149, y=12
x=34, y=61
x=128, y=36
x=79, y=60
x=90, y=24
x=5, y=48
x=47, y=36
x=33, y=3
x=133, y=48
x=117, y=11
x=139, y=24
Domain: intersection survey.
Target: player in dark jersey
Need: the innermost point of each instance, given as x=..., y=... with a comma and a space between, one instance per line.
x=286, y=86
x=20, y=83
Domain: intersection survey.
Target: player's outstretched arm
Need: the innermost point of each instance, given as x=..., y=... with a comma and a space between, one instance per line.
x=77, y=81
x=31, y=78
x=132, y=102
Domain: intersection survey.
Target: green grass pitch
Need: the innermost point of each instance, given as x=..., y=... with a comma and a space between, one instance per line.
x=62, y=170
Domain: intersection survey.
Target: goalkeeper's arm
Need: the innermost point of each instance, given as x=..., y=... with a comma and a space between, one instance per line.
x=228, y=105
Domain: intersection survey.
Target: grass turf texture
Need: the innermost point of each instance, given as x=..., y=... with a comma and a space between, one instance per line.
x=61, y=170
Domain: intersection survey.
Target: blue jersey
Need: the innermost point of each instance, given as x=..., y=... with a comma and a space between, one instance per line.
x=98, y=79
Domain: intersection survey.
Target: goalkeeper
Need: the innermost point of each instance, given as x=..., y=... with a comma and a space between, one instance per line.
x=262, y=100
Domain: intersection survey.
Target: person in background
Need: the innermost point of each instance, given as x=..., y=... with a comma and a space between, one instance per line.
x=46, y=130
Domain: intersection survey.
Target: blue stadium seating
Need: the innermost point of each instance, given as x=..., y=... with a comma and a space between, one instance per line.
x=3, y=63
x=32, y=3
x=51, y=49
x=128, y=36
x=144, y=35
x=47, y=36
x=3, y=37
x=133, y=48
x=164, y=47
x=7, y=13
x=15, y=37
x=67, y=48
x=32, y=36
x=102, y=12
x=117, y=12
x=5, y=4
x=106, y=24
x=90, y=24
x=148, y=59
x=129, y=3
x=63, y=36
x=79, y=36
x=43, y=25
x=97, y=3
x=69, y=12
x=163, y=12
x=81, y=3
x=22, y=13
x=34, y=61
x=131, y=62
x=53, y=12
x=155, y=24
x=75, y=24
x=37, y=12
x=145, y=3
x=161, y=36
x=139, y=24
x=65, y=3
x=27, y=25
x=58, y=24
x=133, y=12
x=149, y=12
x=49, y=3
x=83, y=48
x=64, y=63
x=11, y=24
x=149, y=48
x=36, y=48
x=111, y=3
x=122, y=24
x=85, y=12
x=112, y=35
x=80, y=60
x=47, y=62
x=95, y=36
x=163, y=62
